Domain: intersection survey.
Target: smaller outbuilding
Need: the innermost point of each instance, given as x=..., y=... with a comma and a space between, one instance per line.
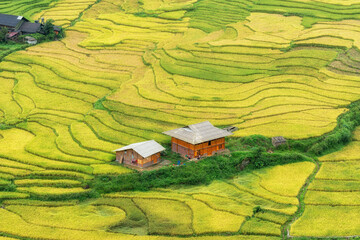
x=30, y=40
x=277, y=141
x=231, y=129
x=57, y=29
x=142, y=154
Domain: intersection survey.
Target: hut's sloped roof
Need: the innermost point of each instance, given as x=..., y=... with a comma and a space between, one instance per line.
x=279, y=139
x=57, y=28
x=28, y=27
x=198, y=133
x=11, y=20
x=145, y=149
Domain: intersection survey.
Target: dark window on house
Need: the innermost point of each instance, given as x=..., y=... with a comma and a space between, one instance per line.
x=209, y=143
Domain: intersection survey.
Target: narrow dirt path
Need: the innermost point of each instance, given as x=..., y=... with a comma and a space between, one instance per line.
x=285, y=229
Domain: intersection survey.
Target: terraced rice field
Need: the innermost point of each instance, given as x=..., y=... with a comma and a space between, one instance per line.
x=333, y=193
x=223, y=207
x=128, y=70
x=24, y=8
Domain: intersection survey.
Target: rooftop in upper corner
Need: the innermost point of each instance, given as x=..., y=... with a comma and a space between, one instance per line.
x=11, y=20
x=198, y=133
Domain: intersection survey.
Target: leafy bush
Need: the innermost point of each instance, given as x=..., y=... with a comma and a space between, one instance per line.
x=248, y=142
x=256, y=210
x=339, y=137
x=193, y=173
x=48, y=27
x=3, y=33
x=8, y=188
x=265, y=159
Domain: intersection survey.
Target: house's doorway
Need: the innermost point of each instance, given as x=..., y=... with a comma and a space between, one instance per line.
x=197, y=153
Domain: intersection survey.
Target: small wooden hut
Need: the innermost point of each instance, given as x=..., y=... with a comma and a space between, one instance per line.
x=201, y=139
x=30, y=40
x=57, y=29
x=277, y=141
x=143, y=154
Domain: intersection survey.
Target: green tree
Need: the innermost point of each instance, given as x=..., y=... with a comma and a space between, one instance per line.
x=256, y=210
x=48, y=27
x=3, y=33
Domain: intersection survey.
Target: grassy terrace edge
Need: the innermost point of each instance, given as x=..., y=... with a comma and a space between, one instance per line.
x=247, y=153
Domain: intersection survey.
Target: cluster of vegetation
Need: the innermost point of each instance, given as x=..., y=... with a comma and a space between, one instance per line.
x=3, y=33
x=314, y=146
x=194, y=173
x=47, y=34
x=334, y=140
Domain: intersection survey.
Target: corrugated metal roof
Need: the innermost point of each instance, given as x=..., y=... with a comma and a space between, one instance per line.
x=10, y=20
x=145, y=149
x=198, y=133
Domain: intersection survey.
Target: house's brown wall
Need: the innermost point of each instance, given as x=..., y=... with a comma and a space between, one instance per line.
x=127, y=157
x=182, y=147
x=202, y=149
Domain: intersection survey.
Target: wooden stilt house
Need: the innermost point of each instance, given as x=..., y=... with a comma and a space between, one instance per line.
x=143, y=154
x=201, y=139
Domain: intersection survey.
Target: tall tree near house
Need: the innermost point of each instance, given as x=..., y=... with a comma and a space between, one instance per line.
x=48, y=30
x=48, y=27
x=3, y=33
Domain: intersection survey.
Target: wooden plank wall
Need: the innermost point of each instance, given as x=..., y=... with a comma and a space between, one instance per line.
x=141, y=162
x=206, y=148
